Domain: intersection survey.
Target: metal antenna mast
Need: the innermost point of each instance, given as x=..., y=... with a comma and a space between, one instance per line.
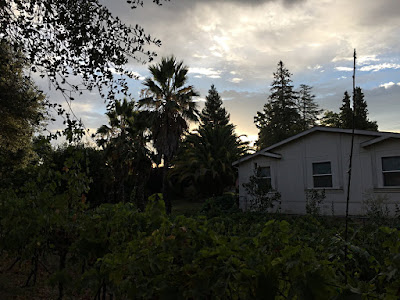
x=351, y=156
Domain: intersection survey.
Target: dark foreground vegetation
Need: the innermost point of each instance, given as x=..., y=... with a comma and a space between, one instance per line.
x=75, y=221
x=55, y=246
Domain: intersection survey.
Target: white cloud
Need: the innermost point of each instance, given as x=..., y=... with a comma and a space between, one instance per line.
x=362, y=60
x=136, y=74
x=316, y=67
x=114, y=71
x=199, y=99
x=252, y=36
x=344, y=69
x=209, y=72
x=246, y=39
x=199, y=56
x=217, y=54
x=389, y=84
x=251, y=139
x=375, y=68
x=342, y=58
x=236, y=80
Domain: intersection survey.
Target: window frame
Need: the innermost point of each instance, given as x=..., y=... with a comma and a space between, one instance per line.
x=269, y=178
x=320, y=175
x=388, y=171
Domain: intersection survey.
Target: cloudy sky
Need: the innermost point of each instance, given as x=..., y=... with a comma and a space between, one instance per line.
x=237, y=44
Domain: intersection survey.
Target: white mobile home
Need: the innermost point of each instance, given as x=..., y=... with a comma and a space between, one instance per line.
x=318, y=159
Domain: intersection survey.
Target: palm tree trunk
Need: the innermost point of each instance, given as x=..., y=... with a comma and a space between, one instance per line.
x=165, y=188
x=138, y=192
x=63, y=258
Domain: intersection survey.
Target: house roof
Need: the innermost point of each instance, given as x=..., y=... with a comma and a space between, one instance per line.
x=259, y=153
x=378, y=137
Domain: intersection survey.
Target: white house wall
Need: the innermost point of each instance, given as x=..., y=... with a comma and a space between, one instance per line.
x=292, y=174
x=384, y=149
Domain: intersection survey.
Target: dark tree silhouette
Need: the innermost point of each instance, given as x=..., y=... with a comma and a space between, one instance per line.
x=169, y=107
x=331, y=119
x=346, y=112
x=307, y=107
x=344, y=119
x=279, y=118
x=65, y=39
x=361, y=120
x=21, y=110
x=124, y=141
x=205, y=161
x=213, y=113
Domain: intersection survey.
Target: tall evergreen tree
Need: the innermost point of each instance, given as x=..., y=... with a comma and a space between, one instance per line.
x=331, y=119
x=361, y=120
x=213, y=113
x=344, y=119
x=279, y=118
x=346, y=113
x=205, y=162
x=207, y=154
x=307, y=107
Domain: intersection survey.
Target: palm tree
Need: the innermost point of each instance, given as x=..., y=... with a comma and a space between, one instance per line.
x=169, y=106
x=124, y=141
x=120, y=118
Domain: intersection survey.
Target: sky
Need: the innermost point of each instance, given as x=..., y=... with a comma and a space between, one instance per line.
x=237, y=44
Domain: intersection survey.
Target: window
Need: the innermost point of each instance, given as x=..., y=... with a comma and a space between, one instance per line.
x=264, y=176
x=391, y=170
x=322, y=174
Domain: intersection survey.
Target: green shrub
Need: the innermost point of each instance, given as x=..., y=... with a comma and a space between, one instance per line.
x=225, y=204
x=262, y=197
x=314, y=199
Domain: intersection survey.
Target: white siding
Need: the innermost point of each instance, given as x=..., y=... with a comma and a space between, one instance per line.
x=292, y=174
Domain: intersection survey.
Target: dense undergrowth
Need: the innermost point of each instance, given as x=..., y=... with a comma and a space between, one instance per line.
x=114, y=251
x=52, y=235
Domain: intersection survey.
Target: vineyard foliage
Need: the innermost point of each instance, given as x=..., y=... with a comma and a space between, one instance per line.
x=116, y=250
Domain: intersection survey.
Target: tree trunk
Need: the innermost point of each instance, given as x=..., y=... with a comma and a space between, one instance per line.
x=33, y=273
x=63, y=258
x=104, y=291
x=165, y=188
x=139, y=193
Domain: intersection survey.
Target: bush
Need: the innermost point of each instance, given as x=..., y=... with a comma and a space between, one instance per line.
x=314, y=200
x=375, y=206
x=262, y=197
x=227, y=203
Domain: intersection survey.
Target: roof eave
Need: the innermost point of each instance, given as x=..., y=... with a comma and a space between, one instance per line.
x=268, y=154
